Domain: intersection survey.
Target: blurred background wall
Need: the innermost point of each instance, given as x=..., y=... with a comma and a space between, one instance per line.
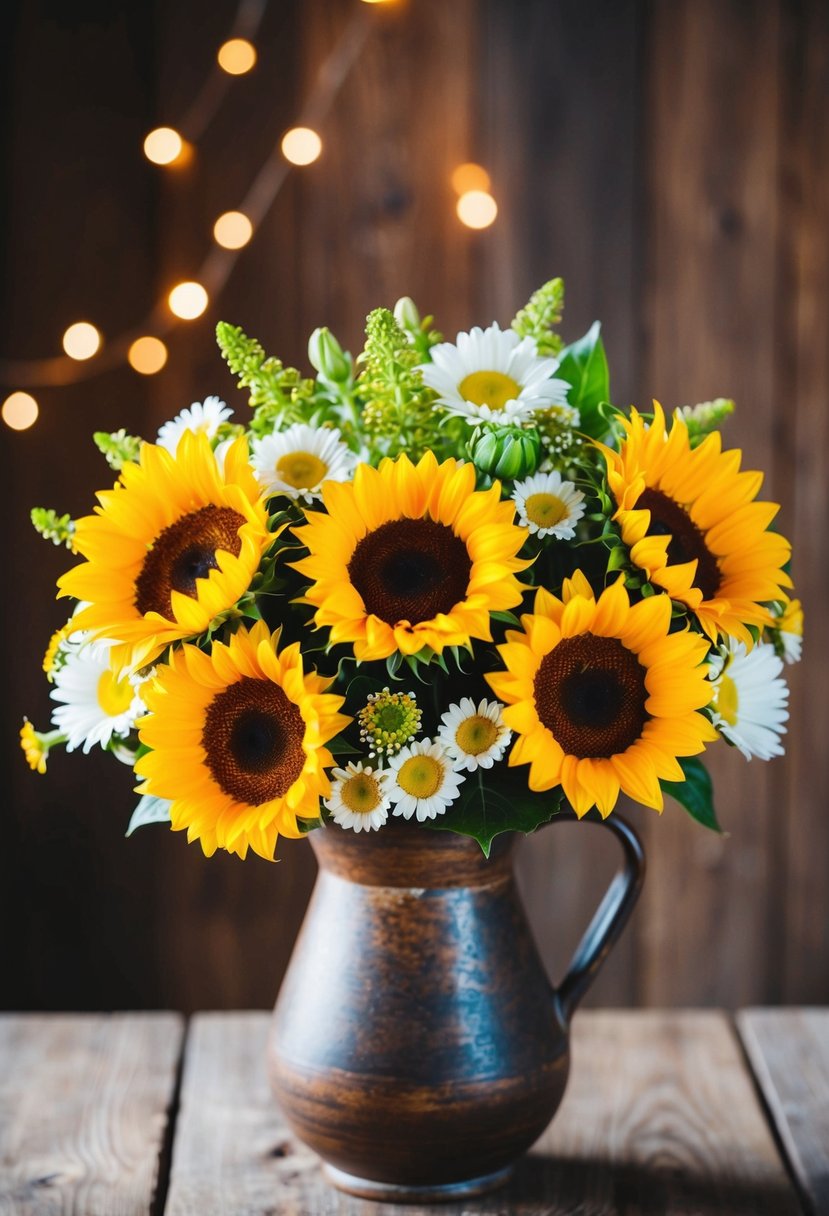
x=669, y=159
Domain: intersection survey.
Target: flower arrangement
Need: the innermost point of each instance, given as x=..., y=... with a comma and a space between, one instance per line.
x=448, y=582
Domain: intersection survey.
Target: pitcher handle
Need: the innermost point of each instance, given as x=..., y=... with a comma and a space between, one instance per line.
x=610, y=917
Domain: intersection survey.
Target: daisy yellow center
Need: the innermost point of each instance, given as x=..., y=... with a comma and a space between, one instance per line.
x=687, y=541
x=114, y=695
x=420, y=776
x=410, y=570
x=489, y=388
x=252, y=739
x=476, y=734
x=590, y=694
x=183, y=553
x=728, y=700
x=361, y=793
x=546, y=510
x=302, y=470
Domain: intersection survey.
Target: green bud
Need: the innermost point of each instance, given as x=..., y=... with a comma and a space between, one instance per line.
x=506, y=452
x=328, y=357
x=406, y=315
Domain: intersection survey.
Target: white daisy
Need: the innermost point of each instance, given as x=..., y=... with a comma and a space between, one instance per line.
x=750, y=698
x=359, y=797
x=202, y=418
x=549, y=506
x=493, y=376
x=474, y=736
x=423, y=780
x=95, y=704
x=298, y=460
x=790, y=625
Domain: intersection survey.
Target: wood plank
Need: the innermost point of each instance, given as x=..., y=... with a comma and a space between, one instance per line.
x=711, y=310
x=661, y=1117
x=84, y=1107
x=789, y=1052
x=803, y=455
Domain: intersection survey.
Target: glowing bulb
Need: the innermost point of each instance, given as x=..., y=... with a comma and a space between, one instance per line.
x=301, y=145
x=147, y=355
x=81, y=340
x=20, y=411
x=188, y=300
x=232, y=230
x=237, y=56
x=163, y=146
x=477, y=209
x=470, y=177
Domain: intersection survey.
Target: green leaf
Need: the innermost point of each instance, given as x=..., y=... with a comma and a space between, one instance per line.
x=583, y=365
x=340, y=747
x=484, y=811
x=695, y=793
x=149, y=810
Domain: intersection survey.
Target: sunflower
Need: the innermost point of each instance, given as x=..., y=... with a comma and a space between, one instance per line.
x=236, y=739
x=411, y=556
x=602, y=697
x=174, y=545
x=690, y=519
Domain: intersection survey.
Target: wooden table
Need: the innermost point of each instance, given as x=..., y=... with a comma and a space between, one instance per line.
x=688, y=1112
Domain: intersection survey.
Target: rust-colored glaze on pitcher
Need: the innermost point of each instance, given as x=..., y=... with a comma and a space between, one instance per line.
x=417, y=1044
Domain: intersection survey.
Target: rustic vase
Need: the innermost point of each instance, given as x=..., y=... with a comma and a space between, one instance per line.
x=417, y=1044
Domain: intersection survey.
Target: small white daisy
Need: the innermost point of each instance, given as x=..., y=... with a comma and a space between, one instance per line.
x=423, y=780
x=493, y=376
x=95, y=704
x=750, y=699
x=549, y=506
x=474, y=736
x=201, y=418
x=298, y=460
x=790, y=625
x=359, y=797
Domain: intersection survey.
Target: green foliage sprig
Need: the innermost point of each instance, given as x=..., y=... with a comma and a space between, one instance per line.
x=278, y=394
x=59, y=529
x=541, y=315
x=399, y=409
x=118, y=447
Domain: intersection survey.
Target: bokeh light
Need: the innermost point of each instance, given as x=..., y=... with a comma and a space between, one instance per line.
x=237, y=56
x=188, y=300
x=20, y=411
x=81, y=340
x=163, y=146
x=147, y=355
x=232, y=230
x=301, y=145
x=470, y=176
x=477, y=209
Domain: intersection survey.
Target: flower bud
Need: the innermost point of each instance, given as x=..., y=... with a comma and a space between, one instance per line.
x=328, y=357
x=507, y=452
x=406, y=315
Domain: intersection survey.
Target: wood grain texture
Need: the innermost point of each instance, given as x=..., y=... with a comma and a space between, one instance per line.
x=660, y=1119
x=84, y=1108
x=803, y=471
x=710, y=297
x=789, y=1053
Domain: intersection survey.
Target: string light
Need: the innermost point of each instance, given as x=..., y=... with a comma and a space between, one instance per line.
x=187, y=300
x=477, y=209
x=163, y=146
x=301, y=145
x=470, y=176
x=20, y=411
x=232, y=230
x=236, y=56
x=81, y=340
x=147, y=355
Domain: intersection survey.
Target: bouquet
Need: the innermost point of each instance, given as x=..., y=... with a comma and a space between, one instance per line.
x=443, y=581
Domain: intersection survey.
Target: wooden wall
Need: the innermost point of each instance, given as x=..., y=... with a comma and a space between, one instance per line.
x=670, y=160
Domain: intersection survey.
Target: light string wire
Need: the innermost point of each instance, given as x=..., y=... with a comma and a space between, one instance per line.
x=219, y=263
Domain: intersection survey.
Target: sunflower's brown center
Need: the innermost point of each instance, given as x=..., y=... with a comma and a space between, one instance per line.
x=687, y=541
x=252, y=739
x=183, y=553
x=590, y=694
x=410, y=570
